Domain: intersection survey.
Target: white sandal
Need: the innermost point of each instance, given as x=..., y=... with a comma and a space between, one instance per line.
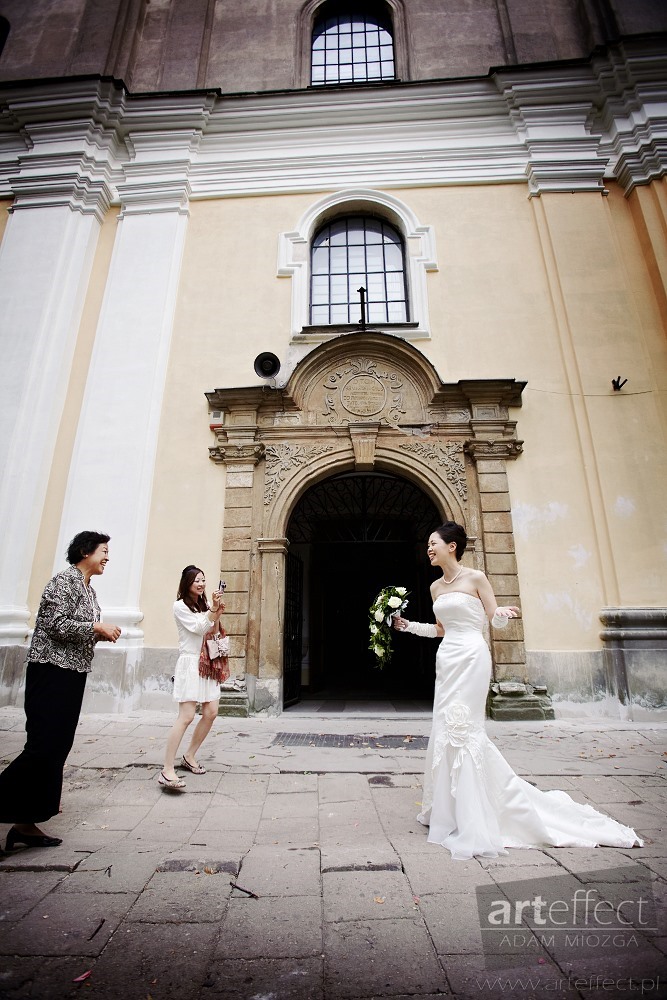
x=177, y=784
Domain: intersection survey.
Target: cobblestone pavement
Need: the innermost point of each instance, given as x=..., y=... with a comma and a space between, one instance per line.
x=315, y=816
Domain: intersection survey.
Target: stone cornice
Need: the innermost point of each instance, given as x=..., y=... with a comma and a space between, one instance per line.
x=555, y=127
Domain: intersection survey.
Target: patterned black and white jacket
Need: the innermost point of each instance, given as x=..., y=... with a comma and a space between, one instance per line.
x=64, y=627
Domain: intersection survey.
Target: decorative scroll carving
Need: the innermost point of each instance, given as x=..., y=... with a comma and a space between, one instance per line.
x=359, y=389
x=281, y=458
x=237, y=454
x=510, y=448
x=444, y=455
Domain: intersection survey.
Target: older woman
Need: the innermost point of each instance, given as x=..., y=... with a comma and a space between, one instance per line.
x=59, y=660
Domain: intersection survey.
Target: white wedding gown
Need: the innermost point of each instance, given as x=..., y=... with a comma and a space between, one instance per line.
x=473, y=802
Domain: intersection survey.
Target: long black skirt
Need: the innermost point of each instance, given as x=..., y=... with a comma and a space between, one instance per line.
x=30, y=787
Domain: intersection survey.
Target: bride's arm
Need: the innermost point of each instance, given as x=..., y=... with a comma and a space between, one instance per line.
x=431, y=631
x=497, y=615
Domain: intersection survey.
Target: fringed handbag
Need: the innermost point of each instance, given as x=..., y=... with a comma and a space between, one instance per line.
x=214, y=656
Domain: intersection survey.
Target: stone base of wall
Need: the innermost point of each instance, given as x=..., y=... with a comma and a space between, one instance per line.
x=635, y=657
x=583, y=684
x=580, y=684
x=122, y=680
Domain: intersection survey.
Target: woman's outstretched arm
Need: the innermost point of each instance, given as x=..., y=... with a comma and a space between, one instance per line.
x=498, y=615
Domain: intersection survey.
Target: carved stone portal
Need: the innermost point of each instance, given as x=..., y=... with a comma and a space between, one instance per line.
x=365, y=401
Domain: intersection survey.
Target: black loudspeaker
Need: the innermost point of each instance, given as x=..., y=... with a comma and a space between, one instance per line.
x=266, y=365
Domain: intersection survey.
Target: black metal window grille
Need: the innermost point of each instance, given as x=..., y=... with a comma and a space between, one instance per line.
x=352, y=48
x=4, y=32
x=355, y=252
x=363, y=507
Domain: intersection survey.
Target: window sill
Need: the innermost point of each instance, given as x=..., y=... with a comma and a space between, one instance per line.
x=318, y=334
x=336, y=329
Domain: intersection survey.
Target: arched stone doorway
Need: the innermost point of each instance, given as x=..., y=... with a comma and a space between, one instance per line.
x=369, y=404
x=351, y=535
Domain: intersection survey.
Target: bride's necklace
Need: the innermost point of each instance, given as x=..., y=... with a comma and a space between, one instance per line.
x=453, y=579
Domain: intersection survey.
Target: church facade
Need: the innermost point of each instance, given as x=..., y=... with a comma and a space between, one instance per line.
x=284, y=287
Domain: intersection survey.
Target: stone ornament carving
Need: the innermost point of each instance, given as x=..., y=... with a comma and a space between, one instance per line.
x=446, y=456
x=357, y=389
x=236, y=454
x=282, y=458
x=494, y=449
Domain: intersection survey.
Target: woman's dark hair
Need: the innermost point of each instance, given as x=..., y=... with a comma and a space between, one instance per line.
x=450, y=531
x=187, y=577
x=84, y=544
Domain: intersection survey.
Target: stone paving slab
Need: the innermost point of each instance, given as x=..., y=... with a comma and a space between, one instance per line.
x=162, y=961
x=20, y=896
x=299, y=831
x=52, y=928
x=375, y=895
x=461, y=935
x=281, y=784
x=374, y=855
x=183, y=897
x=271, y=871
x=24, y=978
x=273, y=927
x=470, y=979
x=230, y=844
x=385, y=957
x=436, y=873
x=238, y=978
x=298, y=805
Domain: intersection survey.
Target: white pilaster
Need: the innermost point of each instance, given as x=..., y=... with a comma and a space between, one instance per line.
x=111, y=474
x=45, y=261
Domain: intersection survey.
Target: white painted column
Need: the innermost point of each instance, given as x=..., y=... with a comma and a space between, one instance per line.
x=45, y=260
x=111, y=475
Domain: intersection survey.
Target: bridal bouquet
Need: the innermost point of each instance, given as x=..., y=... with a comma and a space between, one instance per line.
x=389, y=602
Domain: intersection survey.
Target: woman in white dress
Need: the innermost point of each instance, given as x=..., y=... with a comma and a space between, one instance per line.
x=473, y=802
x=193, y=619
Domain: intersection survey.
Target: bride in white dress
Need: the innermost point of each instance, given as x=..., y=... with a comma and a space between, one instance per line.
x=473, y=802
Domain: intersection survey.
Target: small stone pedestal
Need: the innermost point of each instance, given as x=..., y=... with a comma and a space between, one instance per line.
x=512, y=701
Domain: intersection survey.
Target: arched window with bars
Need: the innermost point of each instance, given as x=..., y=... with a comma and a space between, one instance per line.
x=352, y=252
x=352, y=43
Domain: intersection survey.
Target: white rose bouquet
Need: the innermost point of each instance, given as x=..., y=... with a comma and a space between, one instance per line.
x=389, y=602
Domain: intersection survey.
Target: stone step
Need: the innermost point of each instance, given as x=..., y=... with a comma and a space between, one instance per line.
x=234, y=703
x=513, y=701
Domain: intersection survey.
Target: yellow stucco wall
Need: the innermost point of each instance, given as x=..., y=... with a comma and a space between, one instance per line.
x=230, y=306
x=562, y=291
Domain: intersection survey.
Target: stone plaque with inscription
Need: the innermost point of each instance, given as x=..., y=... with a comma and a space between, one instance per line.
x=363, y=395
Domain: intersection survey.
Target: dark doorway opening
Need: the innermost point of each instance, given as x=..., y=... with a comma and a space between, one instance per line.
x=354, y=534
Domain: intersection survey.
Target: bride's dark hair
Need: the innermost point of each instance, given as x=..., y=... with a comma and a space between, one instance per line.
x=450, y=531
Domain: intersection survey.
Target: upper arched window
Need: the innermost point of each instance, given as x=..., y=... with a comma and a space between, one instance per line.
x=354, y=252
x=352, y=44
